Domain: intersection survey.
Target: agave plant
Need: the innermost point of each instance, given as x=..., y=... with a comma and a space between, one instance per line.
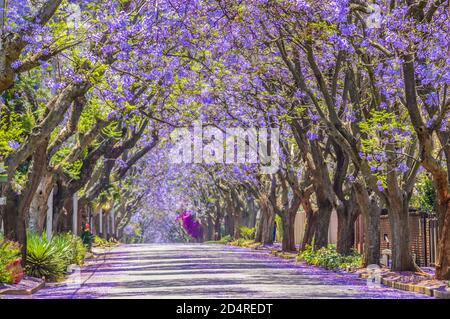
x=50, y=259
x=44, y=258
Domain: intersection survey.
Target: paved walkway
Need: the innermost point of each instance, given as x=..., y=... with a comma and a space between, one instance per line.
x=208, y=271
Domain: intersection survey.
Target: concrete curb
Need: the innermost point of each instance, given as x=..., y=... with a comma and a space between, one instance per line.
x=432, y=292
x=24, y=291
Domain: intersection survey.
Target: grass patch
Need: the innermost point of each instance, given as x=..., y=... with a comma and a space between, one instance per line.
x=224, y=240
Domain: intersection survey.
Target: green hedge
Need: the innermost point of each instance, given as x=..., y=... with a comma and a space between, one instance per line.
x=329, y=258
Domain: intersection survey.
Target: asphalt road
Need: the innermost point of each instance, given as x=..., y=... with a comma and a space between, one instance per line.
x=207, y=271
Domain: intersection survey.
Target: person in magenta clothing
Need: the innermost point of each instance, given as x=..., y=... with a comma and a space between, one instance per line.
x=191, y=225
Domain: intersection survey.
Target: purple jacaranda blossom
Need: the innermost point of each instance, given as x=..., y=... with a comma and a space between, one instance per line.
x=351, y=179
x=78, y=79
x=402, y=167
x=380, y=186
x=16, y=64
x=312, y=136
x=44, y=64
x=13, y=144
x=379, y=157
x=347, y=29
x=55, y=86
x=121, y=163
x=112, y=115
x=299, y=94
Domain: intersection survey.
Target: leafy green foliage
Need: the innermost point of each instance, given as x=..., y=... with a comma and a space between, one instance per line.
x=329, y=258
x=71, y=248
x=247, y=232
x=11, y=129
x=72, y=169
x=50, y=259
x=426, y=194
x=101, y=242
x=9, y=252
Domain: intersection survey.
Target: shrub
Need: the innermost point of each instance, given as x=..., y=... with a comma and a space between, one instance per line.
x=46, y=259
x=71, y=248
x=9, y=253
x=246, y=232
x=329, y=258
x=101, y=242
x=50, y=259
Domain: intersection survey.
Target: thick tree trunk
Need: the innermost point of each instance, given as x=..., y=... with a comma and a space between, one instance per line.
x=249, y=213
x=443, y=261
x=345, y=234
x=288, y=223
x=310, y=228
x=229, y=223
x=346, y=214
x=268, y=227
x=38, y=208
x=322, y=222
x=310, y=223
x=13, y=222
x=18, y=206
x=61, y=215
x=217, y=225
x=266, y=224
x=15, y=225
x=371, y=216
x=209, y=233
x=237, y=223
x=401, y=250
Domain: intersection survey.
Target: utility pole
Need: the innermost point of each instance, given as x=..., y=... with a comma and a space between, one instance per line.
x=49, y=216
x=75, y=214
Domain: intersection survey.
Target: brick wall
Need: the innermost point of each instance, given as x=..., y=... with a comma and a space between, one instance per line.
x=422, y=250
x=416, y=237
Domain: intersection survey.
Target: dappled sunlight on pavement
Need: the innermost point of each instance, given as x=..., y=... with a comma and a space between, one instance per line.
x=208, y=271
